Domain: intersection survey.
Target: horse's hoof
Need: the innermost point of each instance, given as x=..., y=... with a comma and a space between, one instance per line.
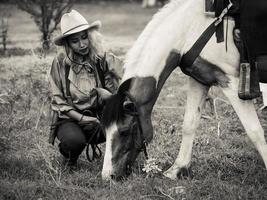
x=180, y=172
x=185, y=173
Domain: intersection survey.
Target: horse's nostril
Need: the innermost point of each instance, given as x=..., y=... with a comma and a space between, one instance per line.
x=116, y=177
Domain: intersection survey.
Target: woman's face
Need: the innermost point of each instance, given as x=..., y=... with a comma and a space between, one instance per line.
x=79, y=42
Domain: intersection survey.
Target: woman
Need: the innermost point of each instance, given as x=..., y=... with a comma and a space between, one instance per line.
x=80, y=80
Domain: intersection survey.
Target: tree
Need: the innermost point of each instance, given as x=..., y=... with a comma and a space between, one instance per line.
x=46, y=15
x=148, y=3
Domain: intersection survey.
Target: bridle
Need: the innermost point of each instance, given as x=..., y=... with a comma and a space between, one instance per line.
x=136, y=114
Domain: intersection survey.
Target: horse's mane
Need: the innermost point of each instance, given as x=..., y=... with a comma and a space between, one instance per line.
x=135, y=53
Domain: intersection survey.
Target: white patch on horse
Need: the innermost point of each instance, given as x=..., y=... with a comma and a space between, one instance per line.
x=176, y=27
x=107, y=166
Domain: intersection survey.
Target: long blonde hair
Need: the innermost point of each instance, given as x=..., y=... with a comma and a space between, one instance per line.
x=96, y=47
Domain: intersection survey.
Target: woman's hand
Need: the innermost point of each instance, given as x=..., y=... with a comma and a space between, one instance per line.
x=88, y=120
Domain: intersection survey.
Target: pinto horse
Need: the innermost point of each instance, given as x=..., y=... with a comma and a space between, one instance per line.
x=155, y=54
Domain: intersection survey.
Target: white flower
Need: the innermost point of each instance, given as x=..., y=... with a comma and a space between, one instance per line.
x=151, y=166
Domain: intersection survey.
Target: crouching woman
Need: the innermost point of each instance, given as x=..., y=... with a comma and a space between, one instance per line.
x=81, y=78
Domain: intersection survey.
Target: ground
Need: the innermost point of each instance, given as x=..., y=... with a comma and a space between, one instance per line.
x=225, y=165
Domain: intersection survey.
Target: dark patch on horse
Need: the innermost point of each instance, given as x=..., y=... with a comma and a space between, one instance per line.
x=207, y=73
x=172, y=62
x=143, y=89
x=144, y=92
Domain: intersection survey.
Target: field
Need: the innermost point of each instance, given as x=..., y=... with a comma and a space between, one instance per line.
x=225, y=164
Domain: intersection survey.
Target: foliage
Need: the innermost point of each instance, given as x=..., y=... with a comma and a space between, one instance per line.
x=46, y=15
x=151, y=167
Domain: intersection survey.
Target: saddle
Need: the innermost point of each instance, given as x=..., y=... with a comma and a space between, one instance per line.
x=250, y=37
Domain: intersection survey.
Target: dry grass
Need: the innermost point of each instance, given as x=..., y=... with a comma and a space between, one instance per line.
x=224, y=166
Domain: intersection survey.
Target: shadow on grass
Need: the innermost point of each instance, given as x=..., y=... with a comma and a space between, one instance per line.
x=17, y=51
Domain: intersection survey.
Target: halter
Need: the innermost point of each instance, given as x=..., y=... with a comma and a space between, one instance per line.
x=136, y=115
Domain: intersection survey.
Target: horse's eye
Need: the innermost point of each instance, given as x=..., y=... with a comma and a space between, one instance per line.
x=124, y=133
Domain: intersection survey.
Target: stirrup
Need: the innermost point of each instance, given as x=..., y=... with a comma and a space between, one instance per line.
x=249, y=87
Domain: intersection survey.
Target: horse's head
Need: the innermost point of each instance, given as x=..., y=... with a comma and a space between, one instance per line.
x=128, y=127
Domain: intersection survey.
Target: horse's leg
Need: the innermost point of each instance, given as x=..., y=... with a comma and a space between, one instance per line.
x=196, y=97
x=249, y=118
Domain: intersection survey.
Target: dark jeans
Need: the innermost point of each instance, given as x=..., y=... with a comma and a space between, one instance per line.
x=73, y=138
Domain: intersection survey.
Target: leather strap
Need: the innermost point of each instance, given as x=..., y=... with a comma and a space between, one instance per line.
x=189, y=58
x=219, y=6
x=67, y=81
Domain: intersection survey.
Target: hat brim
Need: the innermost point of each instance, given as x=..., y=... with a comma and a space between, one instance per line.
x=60, y=39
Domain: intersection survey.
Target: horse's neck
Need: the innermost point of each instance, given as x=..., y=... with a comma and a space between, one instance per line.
x=149, y=58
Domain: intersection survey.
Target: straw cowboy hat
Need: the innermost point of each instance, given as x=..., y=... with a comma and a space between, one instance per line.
x=73, y=22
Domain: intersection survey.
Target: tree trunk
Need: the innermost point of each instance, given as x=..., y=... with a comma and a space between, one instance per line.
x=45, y=29
x=46, y=41
x=46, y=14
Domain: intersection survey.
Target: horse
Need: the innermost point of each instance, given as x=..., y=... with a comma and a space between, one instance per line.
x=155, y=54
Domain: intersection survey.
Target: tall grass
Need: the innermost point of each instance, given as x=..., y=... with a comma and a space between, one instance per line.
x=224, y=166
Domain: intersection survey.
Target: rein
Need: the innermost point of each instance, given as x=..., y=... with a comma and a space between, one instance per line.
x=136, y=115
x=96, y=151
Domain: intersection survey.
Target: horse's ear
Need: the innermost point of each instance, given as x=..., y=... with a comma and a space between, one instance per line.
x=125, y=86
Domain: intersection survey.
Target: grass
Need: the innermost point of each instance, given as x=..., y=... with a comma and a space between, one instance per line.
x=224, y=166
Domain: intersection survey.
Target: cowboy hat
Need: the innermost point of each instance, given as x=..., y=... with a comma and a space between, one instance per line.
x=73, y=22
